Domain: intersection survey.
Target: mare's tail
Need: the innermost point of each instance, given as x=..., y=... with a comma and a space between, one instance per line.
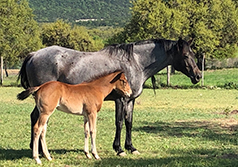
x=22, y=73
x=26, y=93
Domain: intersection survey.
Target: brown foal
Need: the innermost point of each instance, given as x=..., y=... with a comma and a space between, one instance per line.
x=83, y=99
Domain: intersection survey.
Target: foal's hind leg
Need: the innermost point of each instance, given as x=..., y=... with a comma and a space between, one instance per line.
x=34, y=117
x=36, y=136
x=86, y=134
x=38, y=130
x=43, y=141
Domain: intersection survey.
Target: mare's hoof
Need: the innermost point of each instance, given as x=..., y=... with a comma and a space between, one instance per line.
x=121, y=154
x=135, y=152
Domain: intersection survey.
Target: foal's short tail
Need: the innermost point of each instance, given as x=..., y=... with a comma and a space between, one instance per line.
x=26, y=93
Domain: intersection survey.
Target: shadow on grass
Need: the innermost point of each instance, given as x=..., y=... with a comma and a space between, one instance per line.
x=182, y=161
x=203, y=129
x=200, y=157
x=12, y=154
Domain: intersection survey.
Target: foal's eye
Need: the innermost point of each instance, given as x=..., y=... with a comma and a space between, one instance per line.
x=123, y=82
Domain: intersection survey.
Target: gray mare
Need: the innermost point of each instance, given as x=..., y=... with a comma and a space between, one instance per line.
x=139, y=61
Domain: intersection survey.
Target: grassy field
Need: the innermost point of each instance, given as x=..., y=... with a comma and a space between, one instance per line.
x=175, y=127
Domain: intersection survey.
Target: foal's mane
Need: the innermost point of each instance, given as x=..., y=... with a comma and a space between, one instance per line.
x=95, y=77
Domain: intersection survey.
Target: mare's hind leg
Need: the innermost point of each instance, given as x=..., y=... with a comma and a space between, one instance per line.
x=86, y=137
x=92, y=118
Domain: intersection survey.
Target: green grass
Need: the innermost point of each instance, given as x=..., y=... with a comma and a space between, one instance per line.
x=175, y=127
x=212, y=79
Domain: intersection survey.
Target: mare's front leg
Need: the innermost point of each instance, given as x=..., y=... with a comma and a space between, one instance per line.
x=128, y=122
x=119, y=114
x=34, y=117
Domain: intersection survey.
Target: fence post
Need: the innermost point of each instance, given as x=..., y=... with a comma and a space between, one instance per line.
x=168, y=75
x=1, y=81
x=203, y=64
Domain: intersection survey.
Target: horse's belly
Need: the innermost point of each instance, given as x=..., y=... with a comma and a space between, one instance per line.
x=71, y=110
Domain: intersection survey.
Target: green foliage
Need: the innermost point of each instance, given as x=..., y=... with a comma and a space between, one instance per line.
x=19, y=32
x=212, y=23
x=112, y=12
x=63, y=34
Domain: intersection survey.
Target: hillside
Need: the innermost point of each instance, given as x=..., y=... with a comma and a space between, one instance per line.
x=106, y=12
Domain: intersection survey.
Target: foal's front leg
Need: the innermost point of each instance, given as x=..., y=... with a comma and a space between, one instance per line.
x=86, y=136
x=92, y=126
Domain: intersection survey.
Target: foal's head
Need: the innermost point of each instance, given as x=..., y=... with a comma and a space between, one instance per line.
x=121, y=85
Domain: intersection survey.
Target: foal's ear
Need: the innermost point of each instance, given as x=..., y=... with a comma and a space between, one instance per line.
x=116, y=77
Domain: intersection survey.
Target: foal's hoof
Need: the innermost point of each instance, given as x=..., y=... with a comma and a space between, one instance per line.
x=49, y=158
x=38, y=161
x=88, y=155
x=135, y=152
x=96, y=156
x=121, y=154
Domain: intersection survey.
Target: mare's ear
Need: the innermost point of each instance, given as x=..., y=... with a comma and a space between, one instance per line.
x=116, y=77
x=180, y=43
x=190, y=41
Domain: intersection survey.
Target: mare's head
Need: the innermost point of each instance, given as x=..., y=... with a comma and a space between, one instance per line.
x=121, y=84
x=184, y=61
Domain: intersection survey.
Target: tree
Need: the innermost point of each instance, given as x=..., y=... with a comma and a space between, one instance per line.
x=19, y=32
x=64, y=34
x=213, y=24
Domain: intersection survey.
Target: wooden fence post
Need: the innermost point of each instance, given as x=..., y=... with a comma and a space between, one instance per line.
x=203, y=66
x=168, y=75
x=1, y=81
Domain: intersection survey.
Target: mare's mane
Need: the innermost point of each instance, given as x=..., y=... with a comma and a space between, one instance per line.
x=125, y=51
x=167, y=44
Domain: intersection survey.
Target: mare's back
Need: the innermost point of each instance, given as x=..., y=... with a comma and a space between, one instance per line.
x=67, y=65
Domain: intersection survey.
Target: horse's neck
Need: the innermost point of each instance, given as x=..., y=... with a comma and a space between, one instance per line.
x=103, y=85
x=152, y=57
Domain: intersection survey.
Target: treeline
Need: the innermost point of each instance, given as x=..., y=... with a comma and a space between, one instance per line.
x=213, y=24
x=107, y=12
x=21, y=34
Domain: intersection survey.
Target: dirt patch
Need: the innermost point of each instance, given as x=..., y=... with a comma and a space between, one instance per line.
x=13, y=71
x=229, y=156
